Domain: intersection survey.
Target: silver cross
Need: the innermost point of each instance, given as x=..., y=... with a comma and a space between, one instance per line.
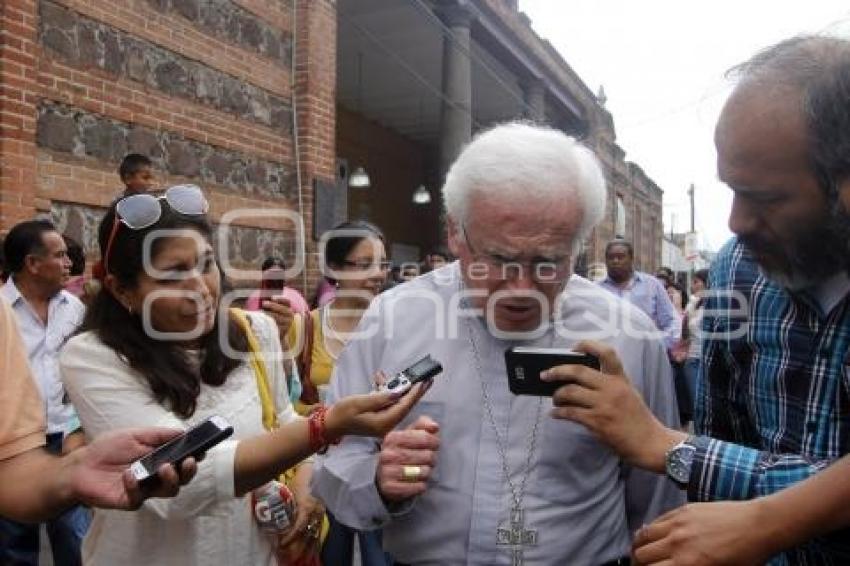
x=517, y=536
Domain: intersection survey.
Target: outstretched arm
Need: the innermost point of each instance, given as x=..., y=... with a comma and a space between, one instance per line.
x=36, y=485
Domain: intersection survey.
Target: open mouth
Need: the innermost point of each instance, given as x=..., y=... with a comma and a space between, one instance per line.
x=519, y=312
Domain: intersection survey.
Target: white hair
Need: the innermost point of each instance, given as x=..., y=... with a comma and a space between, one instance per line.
x=521, y=162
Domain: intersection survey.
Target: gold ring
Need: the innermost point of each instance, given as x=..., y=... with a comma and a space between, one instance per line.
x=411, y=473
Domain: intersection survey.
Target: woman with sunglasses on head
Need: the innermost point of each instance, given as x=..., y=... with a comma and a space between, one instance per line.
x=355, y=261
x=155, y=350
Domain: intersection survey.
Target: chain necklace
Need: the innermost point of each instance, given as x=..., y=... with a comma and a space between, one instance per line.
x=329, y=332
x=517, y=537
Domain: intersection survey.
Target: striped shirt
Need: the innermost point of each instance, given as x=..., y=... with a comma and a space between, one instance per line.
x=773, y=399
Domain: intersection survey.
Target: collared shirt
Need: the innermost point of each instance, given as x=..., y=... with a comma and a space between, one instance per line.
x=43, y=343
x=648, y=294
x=21, y=410
x=579, y=497
x=774, y=392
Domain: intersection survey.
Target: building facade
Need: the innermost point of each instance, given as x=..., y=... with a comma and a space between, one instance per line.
x=271, y=104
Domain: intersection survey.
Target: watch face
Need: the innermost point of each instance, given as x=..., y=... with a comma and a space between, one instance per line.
x=679, y=463
x=679, y=471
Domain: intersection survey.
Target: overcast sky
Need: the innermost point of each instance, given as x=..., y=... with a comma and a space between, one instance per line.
x=662, y=64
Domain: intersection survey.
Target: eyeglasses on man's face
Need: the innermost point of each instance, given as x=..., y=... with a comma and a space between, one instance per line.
x=541, y=269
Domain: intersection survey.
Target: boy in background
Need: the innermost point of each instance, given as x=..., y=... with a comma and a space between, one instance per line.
x=136, y=172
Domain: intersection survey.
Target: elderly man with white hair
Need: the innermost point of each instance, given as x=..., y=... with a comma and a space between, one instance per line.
x=477, y=475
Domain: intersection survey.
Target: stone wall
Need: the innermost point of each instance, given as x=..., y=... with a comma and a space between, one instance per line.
x=71, y=130
x=247, y=246
x=232, y=23
x=204, y=87
x=83, y=42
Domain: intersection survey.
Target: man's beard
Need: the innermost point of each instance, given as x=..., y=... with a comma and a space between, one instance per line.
x=816, y=252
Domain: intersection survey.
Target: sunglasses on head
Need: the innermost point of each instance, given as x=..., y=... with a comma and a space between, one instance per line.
x=138, y=212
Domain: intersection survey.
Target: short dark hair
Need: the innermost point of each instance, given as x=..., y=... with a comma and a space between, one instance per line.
x=273, y=261
x=22, y=240
x=817, y=66
x=702, y=275
x=620, y=242
x=828, y=113
x=76, y=255
x=132, y=164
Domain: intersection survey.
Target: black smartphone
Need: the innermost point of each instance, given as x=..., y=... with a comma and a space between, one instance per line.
x=526, y=364
x=425, y=368
x=194, y=442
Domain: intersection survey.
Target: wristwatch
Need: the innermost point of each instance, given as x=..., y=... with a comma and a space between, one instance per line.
x=679, y=459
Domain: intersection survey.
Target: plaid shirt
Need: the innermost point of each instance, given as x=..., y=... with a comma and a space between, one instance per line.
x=774, y=393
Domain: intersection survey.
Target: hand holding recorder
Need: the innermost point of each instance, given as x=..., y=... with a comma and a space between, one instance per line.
x=261, y=458
x=377, y=413
x=372, y=414
x=408, y=457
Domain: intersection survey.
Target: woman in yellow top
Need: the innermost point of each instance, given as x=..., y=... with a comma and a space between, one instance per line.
x=355, y=261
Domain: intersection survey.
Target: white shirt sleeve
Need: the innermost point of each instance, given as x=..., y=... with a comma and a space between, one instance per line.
x=108, y=396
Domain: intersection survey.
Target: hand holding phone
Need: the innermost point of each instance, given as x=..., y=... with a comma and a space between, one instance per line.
x=424, y=369
x=525, y=365
x=192, y=443
x=278, y=308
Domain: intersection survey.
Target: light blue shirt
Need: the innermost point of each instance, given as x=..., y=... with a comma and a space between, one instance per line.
x=583, y=501
x=648, y=294
x=43, y=343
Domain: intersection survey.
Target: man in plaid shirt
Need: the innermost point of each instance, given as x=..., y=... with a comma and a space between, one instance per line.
x=773, y=406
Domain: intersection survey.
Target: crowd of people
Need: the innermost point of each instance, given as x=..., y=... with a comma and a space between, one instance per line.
x=731, y=394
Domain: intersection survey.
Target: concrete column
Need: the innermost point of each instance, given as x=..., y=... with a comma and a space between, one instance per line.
x=534, y=93
x=456, y=115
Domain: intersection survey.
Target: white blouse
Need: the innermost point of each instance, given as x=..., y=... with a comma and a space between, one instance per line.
x=205, y=524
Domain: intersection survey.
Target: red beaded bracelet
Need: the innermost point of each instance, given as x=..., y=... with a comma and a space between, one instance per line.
x=317, y=430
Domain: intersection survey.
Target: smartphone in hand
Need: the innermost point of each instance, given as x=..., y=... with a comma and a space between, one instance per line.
x=525, y=365
x=192, y=443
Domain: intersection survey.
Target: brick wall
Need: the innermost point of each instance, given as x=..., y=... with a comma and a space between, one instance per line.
x=18, y=97
x=315, y=97
x=204, y=87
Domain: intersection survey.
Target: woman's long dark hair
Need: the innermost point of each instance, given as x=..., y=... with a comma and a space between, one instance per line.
x=174, y=381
